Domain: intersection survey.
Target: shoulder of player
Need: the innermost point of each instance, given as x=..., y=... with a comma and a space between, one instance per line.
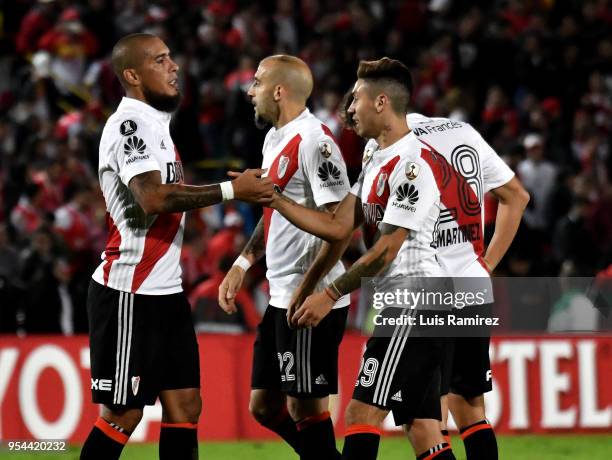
x=436, y=125
x=315, y=141
x=125, y=123
x=413, y=168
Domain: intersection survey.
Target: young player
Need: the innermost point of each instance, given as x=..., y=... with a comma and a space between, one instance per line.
x=397, y=199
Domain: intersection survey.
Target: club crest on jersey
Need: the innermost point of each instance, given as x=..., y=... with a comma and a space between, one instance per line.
x=412, y=170
x=128, y=127
x=134, y=145
x=380, y=185
x=325, y=149
x=282, y=166
x=135, y=384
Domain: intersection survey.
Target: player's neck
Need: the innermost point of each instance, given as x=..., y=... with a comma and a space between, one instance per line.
x=287, y=114
x=136, y=94
x=393, y=130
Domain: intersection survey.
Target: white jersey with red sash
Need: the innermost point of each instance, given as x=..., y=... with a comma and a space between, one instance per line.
x=470, y=168
x=305, y=163
x=142, y=252
x=398, y=186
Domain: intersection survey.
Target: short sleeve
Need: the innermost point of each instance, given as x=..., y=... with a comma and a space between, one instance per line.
x=414, y=193
x=358, y=185
x=495, y=172
x=325, y=170
x=135, y=148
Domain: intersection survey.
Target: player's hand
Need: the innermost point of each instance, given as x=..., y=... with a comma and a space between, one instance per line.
x=250, y=186
x=298, y=299
x=313, y=310
x=276, y=197
x=229, y=288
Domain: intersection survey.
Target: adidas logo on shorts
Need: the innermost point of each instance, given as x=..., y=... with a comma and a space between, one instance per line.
x=397, y=396
x=321, y=380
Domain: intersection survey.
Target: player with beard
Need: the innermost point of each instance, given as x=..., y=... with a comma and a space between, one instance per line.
x=142, y=342
x=294, y=371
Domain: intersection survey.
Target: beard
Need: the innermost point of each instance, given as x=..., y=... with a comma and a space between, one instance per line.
x=260, y=123
x=162, y=102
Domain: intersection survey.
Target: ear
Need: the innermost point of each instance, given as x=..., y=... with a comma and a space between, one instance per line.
x=277, y=93
x=380, y=102
x=131, y=77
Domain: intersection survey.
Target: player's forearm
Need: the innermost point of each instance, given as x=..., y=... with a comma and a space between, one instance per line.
x=325, y=225
x=369, y=265
x=178, y=198
x=168, y=198
x=255, y=248
x=326, y=259
x=373, y=262
x=509, y=214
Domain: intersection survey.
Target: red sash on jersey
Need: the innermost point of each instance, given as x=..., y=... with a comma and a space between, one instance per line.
x=376, y=199
x=111, y=253
x=284, y=165
x=452, y=185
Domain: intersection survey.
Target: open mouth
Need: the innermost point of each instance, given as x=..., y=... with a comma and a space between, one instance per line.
x=174, y=83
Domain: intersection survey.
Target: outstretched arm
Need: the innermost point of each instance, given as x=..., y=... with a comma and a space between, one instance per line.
x=513, y=199
x=154, y=197
x=327, y=226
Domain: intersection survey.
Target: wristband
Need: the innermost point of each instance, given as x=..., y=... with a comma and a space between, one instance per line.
x=329, y=293
x=227, y=190
x=242, y=262
x=335, y=290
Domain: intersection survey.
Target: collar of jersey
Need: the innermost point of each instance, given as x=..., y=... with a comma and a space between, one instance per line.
x=289, y=126
x=392, y=150
x=143, y=107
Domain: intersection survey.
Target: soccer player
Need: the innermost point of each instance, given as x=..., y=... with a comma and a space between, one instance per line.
x=472, y=168
x=397, y=199
x=142, y=341
x=294, y=371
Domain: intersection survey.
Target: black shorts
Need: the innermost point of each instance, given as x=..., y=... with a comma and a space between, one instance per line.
x=302, y=363
x=139, y=346
x=466, y=370
x=402, y=374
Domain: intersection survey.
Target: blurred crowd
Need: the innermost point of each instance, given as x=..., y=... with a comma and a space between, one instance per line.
x=534, y=77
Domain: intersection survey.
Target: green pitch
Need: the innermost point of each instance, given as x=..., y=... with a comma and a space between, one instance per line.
x=587, y=447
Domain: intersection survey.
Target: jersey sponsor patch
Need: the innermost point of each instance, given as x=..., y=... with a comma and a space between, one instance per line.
x=128, y=127
x=134, y=145
x=328, y=170
x=325, y=149
x=408, y=191
x=412, y=170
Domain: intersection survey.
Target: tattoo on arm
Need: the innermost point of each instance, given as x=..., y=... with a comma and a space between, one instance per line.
x=285, y=198
x=351, y=280
x=366, y=267
x=256, y=246
x=186, y=197
x=155, y=197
